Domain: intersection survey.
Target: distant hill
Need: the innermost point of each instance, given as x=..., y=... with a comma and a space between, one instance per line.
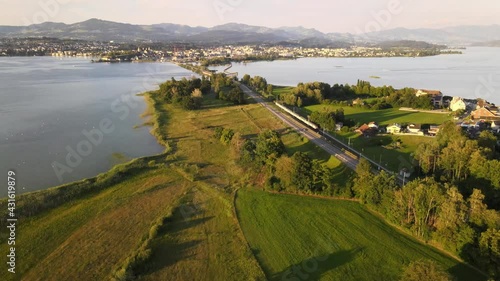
x=408, y=44
x=489, y=44
x=465, y=35
x=234, y=33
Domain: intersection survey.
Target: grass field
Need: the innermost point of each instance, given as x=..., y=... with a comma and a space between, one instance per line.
x=303, y=238
x=90, y=236
x=378, y=148
x=381, y=148
x=384, y=117
x=94, y=234
x=207, y=245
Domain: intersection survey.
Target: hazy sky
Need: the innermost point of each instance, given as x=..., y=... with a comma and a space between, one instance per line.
x=325, y=15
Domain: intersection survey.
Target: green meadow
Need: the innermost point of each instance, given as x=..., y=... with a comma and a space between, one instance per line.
x=384, y=117
x=304, y=238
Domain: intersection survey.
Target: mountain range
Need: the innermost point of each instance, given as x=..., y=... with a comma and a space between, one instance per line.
x=100, y=30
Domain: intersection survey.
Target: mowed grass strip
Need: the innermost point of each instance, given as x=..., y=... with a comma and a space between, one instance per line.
x=202, y=242
x=303, y=238
x=86, y=239
x=384, y=117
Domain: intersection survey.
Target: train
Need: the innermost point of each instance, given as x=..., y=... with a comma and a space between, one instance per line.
x=304, y=120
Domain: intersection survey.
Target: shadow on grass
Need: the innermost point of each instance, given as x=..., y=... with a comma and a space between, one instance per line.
x=168, y=248
x=313, y=268
x=462, y=271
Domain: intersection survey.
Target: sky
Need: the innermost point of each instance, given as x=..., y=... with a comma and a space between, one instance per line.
x=355, y=16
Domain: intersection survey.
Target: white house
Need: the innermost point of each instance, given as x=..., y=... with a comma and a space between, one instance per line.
x=415, y=129
x=458, y=103
x=495, y=126
x=394, y=129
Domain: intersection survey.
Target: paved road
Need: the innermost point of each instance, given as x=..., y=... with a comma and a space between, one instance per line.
x=304, y=130
x=310, y=134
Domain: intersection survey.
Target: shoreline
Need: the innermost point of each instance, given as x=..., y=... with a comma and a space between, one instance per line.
x=149, y=115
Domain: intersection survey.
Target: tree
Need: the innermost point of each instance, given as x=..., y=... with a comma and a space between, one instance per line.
x=456, y=157
x=269, y=147
x=246, y=79
x=427, y=155
x=451, y=225
x=424, y=270
x=270, y=89
x=299, y=102
x=489, y=248
x=237, y=143
x=418, y=203
x=302, y=171
x=226, y=136
x=488, y=142
x=449, y=131
x=477, y=208
x=363, y=180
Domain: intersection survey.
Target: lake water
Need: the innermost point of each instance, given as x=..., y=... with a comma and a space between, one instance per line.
x=474, y=74
x=46, y=105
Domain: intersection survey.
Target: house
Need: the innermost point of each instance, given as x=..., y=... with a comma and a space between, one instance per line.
x=405, y=173
x=495, y=126
x=466, y=125
x=362, y=129
x=394, y=129
x=457, y=104
x=434, y=130
x=436, y=96
x=367, y=131
x=373, y=125
x=338, y=126
x=415, y=129
x=484, y=113
x=358, y=101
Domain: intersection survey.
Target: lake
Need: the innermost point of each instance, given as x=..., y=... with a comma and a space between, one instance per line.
x=52, y=107
x=474, y=74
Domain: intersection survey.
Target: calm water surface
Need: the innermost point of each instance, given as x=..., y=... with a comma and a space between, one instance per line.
x=474, y=74
x=47, y=103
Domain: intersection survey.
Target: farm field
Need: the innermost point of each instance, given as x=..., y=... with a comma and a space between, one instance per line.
x=93, y=235
x=384, y=117
x=304, y=238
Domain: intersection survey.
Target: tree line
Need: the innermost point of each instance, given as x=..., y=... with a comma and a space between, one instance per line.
x=306, y=94
x=258, y=84
x=189, y=93
x=226, y=88
x=437, y=209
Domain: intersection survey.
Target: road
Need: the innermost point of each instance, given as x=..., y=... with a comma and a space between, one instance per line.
x=304, y=130
x=310, y=134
